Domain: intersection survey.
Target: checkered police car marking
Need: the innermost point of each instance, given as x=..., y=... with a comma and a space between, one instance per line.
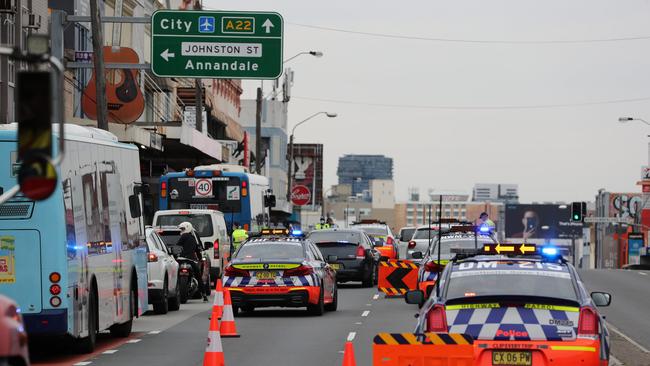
x=278, y=281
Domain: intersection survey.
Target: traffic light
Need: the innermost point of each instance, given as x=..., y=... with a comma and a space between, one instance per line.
x=578, y=211
x=36, y=175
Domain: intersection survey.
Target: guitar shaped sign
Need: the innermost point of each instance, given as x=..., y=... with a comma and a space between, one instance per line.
x=123, y=94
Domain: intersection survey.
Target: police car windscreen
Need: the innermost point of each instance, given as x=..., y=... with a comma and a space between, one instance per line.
x=202, y=223
x=375, y=231
x=342, y=244
x=501, y=278
x=270, y=251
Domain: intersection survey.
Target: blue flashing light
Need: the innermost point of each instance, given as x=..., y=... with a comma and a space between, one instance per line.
x=550, y=251
x=484, y=229
x=296, y=232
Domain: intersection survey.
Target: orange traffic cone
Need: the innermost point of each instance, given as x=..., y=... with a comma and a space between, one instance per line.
x=214, y=351
x=228, y=327
x=217, y=303
x=348, y=355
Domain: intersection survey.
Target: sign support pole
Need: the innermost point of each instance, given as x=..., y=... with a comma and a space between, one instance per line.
x=100, y=80
x=258, y=132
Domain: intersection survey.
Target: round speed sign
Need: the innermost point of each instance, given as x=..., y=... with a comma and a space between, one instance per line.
x=203, y=188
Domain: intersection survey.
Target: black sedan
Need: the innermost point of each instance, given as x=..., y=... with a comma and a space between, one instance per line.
x=357, y=260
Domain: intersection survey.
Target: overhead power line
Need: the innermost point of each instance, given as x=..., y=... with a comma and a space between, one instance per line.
x=460, y=40
x=497, y=107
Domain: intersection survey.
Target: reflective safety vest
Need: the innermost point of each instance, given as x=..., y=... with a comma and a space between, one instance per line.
x=322, y=226
x=238, y=236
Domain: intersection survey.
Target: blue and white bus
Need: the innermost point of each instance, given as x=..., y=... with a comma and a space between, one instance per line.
x=226, y=188
x=76, y=263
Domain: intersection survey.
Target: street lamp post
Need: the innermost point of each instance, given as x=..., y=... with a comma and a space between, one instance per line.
x=291, y=161
x=628, y=119
x=313, y=53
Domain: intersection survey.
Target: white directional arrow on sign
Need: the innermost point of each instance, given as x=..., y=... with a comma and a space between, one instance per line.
x=167, y=55
x=268, y=25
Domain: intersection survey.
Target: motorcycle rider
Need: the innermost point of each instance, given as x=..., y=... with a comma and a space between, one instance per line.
x=192, y=250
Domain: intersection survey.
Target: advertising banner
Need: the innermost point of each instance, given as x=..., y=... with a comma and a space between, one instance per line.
x=308, y=170
x=635, y=243
x=541, y=221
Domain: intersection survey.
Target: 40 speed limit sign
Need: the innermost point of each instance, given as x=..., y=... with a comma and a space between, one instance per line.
x=203, y=188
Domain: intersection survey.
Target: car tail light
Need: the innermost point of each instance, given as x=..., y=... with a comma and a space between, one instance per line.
x=432, y=267
x=163, y=189
x=231, y=271
x=437, y=319
x=189, y=172
x=185, y=270
x=55, y=301
x=361, y=253
x=55, y=289
x=411, y=244
x=300, y=271
x=152, y=258
x=588, y=323
x=216, y=248
x=390, y=241
x=244, y=189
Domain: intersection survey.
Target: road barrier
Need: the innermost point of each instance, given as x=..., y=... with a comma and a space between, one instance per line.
x=404, y=349
x=396, y=277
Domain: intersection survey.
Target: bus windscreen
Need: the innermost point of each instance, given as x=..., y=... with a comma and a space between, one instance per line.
x=218, y=193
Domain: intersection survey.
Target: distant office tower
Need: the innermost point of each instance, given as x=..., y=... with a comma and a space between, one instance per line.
x=495, y=192
x=358, y=170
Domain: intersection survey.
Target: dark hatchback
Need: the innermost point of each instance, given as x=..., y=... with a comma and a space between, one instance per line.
x=357, y=259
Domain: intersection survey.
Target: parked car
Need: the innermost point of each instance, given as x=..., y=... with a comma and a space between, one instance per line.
x=211, y=229
x=357, y=260
x=421, y=241
x=381, y=236
x=403, y=238
x=162, y=271
x=13, y=337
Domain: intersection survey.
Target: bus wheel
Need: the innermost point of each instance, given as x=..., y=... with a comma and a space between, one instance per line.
x=124, y=330
x=87, y=344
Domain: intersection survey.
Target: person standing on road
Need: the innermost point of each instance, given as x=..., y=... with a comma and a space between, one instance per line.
x=484, y=220
x=239, y=236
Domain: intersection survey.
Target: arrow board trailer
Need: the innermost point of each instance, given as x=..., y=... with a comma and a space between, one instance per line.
x=217, y=44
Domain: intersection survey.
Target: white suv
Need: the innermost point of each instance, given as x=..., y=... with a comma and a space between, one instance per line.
x=162, y=271
x=211, y=228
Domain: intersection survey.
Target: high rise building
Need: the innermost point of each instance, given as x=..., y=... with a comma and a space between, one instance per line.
x=359, y=170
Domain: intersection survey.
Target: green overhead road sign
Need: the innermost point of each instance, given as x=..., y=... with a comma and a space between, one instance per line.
x=216, y=44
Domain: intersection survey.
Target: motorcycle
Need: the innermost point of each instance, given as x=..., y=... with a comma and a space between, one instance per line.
x=189, y=287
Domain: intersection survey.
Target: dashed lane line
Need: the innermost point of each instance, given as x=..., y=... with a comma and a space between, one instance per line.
x=375, y=297
x=365, y=313
x=134, y=340
x=109, y=352
x=155, y=332
x=643, y=273
x=351, y=336
x=83, y=363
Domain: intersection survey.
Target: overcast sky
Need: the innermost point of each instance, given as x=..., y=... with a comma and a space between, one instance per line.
x=554, y=154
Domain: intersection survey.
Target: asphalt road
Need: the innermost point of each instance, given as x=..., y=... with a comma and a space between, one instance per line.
x=273, y=336
x=277, y=336
x=630, y=300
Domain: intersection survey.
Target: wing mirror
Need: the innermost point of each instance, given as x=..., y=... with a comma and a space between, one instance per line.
x=414, y=297
x=601, y=298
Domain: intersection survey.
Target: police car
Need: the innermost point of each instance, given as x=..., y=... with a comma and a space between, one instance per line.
x=452, y=238
x=521, y=304
x=278, y=270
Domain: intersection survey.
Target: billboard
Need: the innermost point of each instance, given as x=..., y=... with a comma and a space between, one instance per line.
x=308, y=169
x=541, y=221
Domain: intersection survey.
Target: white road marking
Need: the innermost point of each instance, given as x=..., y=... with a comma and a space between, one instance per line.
x=368, y=304
x=133, y=340
x=614, y=329
x=351, y=336
x=643, y=273
x=358, y=323
x=365, y=313
x=375, y=297
x=84, y=363
x=109, y=352
x=155, y=332
x=613, y=361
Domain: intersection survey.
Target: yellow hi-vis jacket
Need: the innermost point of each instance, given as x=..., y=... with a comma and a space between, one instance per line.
x=238, y=236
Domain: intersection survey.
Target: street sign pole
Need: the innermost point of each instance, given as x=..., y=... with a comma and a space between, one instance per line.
x=216, y=44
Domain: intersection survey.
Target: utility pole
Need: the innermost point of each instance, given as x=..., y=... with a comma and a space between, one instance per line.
x=199, y=90
x=4, y=75
x=258, y=133
x=100, y=77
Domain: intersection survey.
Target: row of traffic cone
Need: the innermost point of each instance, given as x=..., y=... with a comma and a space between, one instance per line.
x=221, y=310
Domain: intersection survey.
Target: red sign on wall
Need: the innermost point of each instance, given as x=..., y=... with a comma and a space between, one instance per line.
x=300, y=195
